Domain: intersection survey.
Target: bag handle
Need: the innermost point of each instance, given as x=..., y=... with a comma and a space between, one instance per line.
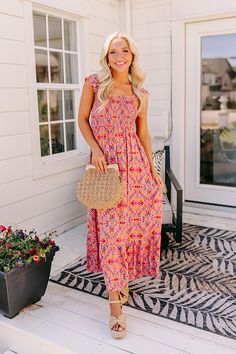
x=113, y=165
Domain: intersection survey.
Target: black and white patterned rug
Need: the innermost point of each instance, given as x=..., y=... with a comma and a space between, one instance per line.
x=197, y=287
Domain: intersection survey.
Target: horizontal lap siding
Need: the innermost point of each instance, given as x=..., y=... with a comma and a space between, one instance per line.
x=9, y=49
x=11, y=27
x=40, y=204
x=158, y=105
x=49, y=202
x=151, y=29
x=156, y=61
x=23, y=189
x=14, y=146
x=12, y=7
x=60, y=219
x=98, y=30
x=12, y=169
x=162, y=46
x=13, y=75
x=186, y=8
x=13, y=99
x=14, y=123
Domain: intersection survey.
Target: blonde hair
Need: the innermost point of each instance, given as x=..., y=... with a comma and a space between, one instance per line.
x=106, y=80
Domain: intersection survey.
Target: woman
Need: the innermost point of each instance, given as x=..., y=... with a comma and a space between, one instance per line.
x=123, y=242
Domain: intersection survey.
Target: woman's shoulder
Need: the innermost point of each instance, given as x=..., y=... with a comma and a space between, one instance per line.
x=93, y=80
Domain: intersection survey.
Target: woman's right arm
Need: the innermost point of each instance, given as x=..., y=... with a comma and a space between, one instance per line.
x=86, y=104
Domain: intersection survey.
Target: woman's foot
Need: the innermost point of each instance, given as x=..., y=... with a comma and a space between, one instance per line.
x=116, y=312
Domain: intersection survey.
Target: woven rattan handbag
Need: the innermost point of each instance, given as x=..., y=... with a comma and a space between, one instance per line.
x=100, y=190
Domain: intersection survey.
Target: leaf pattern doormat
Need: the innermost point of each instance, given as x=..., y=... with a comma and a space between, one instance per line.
x=197, y=287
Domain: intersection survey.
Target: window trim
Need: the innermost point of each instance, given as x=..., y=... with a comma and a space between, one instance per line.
x=58, y=163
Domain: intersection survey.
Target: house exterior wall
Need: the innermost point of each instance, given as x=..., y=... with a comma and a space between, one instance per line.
x=48, y=202
x=151, y=29
x=190, y=8
x=158, y=26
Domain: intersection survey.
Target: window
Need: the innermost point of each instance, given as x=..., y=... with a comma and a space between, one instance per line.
x=56, y=61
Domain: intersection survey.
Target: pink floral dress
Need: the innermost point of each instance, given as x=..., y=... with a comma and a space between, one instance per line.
x=124, y=242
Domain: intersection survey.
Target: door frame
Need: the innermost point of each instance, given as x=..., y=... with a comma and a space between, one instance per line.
x=179, y=105
x=196, y=191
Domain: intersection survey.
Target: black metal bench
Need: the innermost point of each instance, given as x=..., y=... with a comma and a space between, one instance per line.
x=171, y=221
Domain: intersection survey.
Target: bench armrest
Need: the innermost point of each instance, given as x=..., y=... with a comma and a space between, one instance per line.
x=171, y=179
x=174, y=180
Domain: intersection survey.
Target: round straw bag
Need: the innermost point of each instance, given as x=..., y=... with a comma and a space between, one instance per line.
x=100, y=190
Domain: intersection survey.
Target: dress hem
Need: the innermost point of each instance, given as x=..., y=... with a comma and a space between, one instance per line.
x=157, y=273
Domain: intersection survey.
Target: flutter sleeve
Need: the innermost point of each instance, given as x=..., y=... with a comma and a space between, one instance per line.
x=145, y=91
x=93, y=80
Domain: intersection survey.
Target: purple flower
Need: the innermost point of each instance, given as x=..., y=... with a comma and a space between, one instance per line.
x=20, y=234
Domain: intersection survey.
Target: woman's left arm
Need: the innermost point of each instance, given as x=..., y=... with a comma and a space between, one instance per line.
x=144, y=137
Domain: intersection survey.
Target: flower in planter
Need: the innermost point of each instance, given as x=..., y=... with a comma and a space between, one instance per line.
x=19, y=247
x=36, y=259
x=2, y=228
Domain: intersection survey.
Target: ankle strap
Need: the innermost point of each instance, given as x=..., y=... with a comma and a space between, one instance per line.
x=114, y=301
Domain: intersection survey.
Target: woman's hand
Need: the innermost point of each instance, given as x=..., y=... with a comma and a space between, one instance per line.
x=98, y=160
x=157, y=177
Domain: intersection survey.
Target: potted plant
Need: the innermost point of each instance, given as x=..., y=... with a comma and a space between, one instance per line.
x=25, y=264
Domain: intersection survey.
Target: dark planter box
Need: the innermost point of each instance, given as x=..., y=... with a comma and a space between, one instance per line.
x=24, y=286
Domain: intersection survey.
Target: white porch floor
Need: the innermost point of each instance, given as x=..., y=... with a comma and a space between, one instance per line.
x=70, y=321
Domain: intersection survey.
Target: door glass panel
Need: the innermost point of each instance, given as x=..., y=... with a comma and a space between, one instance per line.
x=218, y=110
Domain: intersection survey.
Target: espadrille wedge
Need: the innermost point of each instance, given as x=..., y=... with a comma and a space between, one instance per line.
x=120, y=320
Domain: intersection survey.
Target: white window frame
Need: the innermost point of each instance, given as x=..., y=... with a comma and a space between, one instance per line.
x=61, y=162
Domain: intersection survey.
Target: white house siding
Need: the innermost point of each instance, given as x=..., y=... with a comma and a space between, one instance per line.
x=191, y=8
x=151, y=29
x=48, y=202
x=159, y=29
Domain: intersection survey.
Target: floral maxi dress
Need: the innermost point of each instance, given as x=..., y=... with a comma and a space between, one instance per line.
x=124, y=242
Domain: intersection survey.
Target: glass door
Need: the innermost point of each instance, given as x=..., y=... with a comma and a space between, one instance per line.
x=211, y=112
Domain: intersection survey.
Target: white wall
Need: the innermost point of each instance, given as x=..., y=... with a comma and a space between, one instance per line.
x=151, y=29
x=49, y=202
x=159, y=29
x=191, y=8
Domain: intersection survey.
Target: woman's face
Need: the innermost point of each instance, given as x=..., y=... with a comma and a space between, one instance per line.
x=119, y=55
